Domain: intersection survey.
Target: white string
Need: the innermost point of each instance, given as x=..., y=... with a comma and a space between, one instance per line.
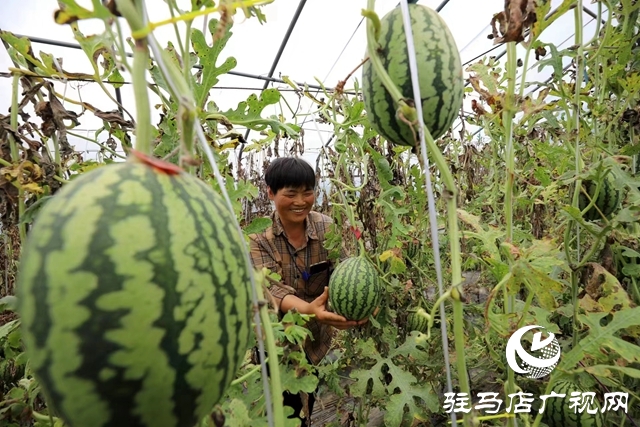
x=432, y=212
x=153, y=44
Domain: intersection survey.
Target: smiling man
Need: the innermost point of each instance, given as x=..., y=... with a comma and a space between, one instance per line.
x=293, y=248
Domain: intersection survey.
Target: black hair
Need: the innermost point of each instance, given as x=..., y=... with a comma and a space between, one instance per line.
x=289, y=172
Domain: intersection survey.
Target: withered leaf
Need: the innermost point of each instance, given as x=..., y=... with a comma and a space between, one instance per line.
x=113, y=117
x=518, y=15
x=53, y=115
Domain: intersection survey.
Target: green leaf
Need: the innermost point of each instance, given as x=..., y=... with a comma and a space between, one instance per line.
x=555, y=60
x=415, y=349
x=70, y=12
x=169, y=137
x=208, y=56
x=21, y=52
x=31, y=212
x=606, y=371
x=237, y=414
x=600, y=337
x=8, y=328
x=248, y=113
x=539, y=282
x=258, y=225
x=8, y=303
x=115, y=76
x=395, y=415
x=543, y=22
x=363, y=376
x=294, y=383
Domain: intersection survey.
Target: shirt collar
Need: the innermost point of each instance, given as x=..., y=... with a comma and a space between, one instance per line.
x=278, y=229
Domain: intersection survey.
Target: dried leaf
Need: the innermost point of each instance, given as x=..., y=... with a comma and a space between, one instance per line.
x=518, y=15
x=113, y=117
x=53, y=115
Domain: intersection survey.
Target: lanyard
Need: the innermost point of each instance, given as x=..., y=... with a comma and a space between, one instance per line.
x=305, y=273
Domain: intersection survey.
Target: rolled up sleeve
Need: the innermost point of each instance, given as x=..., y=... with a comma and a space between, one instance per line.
x=261, y=257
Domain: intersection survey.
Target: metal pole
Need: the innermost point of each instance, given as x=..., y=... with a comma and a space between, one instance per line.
x=277, y=59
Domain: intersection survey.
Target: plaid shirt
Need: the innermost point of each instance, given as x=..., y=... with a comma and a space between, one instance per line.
x=272, y=250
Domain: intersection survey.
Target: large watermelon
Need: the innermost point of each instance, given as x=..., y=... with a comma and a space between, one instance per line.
x=439, y=71
x=607, y=200
x=561, y=412
x=354, y=288
x=134, y=296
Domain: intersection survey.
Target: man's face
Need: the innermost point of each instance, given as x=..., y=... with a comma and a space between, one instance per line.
x=293, y=204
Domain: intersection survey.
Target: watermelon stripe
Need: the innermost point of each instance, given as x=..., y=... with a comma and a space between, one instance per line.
x=440, y=74
x=129, y=289
x=354, y=288
x=558, y=414
x=399, y=73
x=130, y=329
x=219, y=262
x=39, y=300
x=70, y=300
x=607, y=201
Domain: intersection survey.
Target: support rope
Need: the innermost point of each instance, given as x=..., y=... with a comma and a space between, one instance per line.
x=413, y=66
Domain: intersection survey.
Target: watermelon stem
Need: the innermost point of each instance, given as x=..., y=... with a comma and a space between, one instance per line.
x=134, y=13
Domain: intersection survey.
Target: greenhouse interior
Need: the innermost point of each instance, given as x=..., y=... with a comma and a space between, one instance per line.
x=243, y=201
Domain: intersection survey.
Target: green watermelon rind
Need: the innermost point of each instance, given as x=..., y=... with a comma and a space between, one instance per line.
x=354, y=288
x=134, y=297
x=439, y=71
x=558, y=414
x=418, y=320
x=608, y=199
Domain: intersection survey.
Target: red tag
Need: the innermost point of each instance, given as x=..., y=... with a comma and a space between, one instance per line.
x=357, y=232
x=157, y=164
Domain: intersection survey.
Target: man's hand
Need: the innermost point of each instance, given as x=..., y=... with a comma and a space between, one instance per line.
x=319, y=309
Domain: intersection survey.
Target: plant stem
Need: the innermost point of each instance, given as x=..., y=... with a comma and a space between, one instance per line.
x=508, y=114
x=15, y=154
x=247, y=375
x=134, y=14
x=577, y=106
x=104, y=147
x=190, y=16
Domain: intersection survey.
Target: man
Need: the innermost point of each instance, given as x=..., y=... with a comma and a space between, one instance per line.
x=293, y=248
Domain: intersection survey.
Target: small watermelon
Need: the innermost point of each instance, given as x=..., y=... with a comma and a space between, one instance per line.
x=134, y=296
x=418, y=320
x=439, y=70
x=561, y=412
x=607, y=201
x=354, y=288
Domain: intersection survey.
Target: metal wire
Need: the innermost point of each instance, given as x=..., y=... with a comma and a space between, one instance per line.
x=59, y=43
